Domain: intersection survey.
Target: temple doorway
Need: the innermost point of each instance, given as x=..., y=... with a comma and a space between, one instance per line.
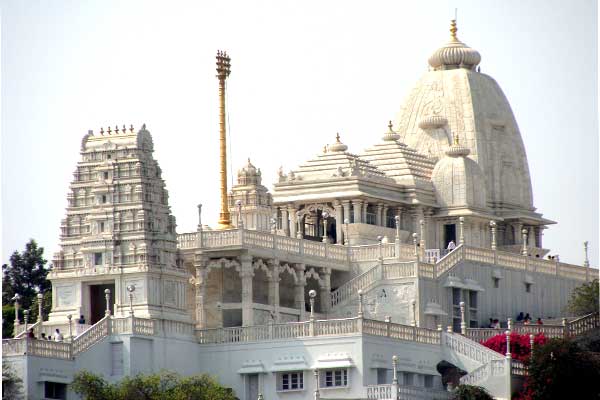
x=449, y=234
x=98, y=301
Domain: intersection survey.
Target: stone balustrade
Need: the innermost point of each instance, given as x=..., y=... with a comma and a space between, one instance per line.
x=575, y=327
x=330, y=327
x=398, y=392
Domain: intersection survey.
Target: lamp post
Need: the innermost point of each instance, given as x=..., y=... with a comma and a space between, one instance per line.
x=16, y=298
x=312, y=294
x=360, y=303
x=524, y=250
x=199, y=217
x=40, y=298
x=107, y=297
x=220, y=313
x=26, y=318
x=586, y=261
x=238, y=204
x=463, y=324
x=415, y=236
x=70, y=317
x=346, y=239
x=507, y=333
x=493, y=227
x=298, y=220
x=531, y=343
x=131, y=289
x=325, y=215
x=317, y=394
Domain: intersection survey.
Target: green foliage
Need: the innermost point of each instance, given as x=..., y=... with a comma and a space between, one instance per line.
x=584, y=299
x=25, y=272
x=12, y=385
x=469, y=392
x=560, y=370
x=8, y=320
x=163, y=385
x=46, y=306
x=589, y=341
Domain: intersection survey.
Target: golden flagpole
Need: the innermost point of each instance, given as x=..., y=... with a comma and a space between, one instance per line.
x=223, y=71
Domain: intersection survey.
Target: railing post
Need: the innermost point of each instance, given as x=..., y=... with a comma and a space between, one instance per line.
x=416, y=249
x=509, y=324
x=199, y=232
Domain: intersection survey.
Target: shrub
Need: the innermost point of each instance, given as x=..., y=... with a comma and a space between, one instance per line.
x=469, y=392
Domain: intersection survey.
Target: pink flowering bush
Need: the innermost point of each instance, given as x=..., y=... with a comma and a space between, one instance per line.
x=520, y=348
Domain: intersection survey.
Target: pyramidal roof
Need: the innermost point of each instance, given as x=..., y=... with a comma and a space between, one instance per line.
x=398, y=161
x=336, y=161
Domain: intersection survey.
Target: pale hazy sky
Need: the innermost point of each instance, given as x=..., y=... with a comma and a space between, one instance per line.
x=301, y=71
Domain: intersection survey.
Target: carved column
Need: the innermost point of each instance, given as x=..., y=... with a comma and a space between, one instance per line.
x=325, y=286
x=378, y=212
x=246, y=274
x=339, y=222
x=364, y=212
x=357, y=204
x=293, y=220
x=299, y=288
x=284, y=221
x=384, y=213
x=200, y=279
x=274, y=286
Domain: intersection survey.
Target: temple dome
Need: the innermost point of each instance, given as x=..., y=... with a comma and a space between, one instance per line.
x=338, y=146
x=454, y=54
x=458, y=180
x=449, y=101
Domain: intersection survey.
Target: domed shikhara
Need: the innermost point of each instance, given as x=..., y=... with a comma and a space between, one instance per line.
x=458, y=180
x=455, y=99
x=249, y=175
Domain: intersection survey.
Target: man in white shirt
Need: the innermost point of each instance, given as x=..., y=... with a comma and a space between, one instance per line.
x=451, y=245
x=59, y=336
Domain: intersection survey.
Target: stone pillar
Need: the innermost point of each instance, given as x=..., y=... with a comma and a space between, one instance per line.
x=357, y=204
x=246, y=274
x=518, y=227
x=200, y=279
x=378, y=212
x=325, y=286
x=274, y=286
x=493, y=241
x=285, y=221
x=339, y=221
x=293, y=220
x=461, y=230
x=346, y=206
x=524, y=250
x=299, y=288
x=364, y=212
x=531, y=237
x=384, y=214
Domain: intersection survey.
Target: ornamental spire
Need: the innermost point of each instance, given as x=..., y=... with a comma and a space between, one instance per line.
x=453, y=30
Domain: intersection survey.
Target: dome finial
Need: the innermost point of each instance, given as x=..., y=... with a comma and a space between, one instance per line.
x=453, y=29
x=337, y=146
x=337, y=137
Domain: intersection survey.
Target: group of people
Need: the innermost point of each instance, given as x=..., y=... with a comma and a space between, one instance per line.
x=58, y=336
x=526, y=319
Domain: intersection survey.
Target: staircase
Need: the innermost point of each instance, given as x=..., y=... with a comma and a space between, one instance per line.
x=349, y=290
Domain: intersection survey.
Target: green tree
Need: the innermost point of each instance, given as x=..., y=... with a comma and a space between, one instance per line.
x=12, y=385
x=469, y=392
x=25, y=274
x=163, y=385
x=584, y=299
x=560, y=370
